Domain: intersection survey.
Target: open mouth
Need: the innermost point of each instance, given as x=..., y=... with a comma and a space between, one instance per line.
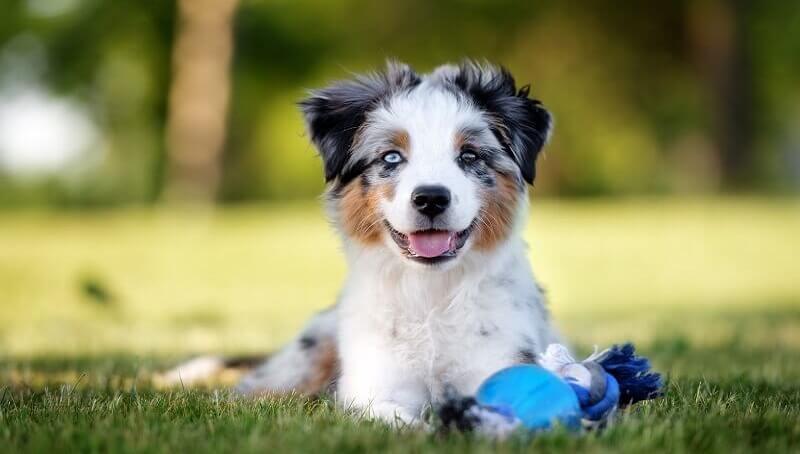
x=430, y=246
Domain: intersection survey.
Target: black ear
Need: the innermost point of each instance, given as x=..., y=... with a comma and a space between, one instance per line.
x=333, y=115
x=522, y=125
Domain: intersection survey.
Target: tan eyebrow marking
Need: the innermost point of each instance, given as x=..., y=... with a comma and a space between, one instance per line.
x=466, y=135
x=401, y=140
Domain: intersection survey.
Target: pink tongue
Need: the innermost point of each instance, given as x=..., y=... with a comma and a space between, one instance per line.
x=429, y=244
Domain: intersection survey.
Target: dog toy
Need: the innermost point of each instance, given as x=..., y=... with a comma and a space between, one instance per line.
x=559, y=390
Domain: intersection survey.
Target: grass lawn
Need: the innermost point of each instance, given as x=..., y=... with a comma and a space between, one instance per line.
x=92, y=304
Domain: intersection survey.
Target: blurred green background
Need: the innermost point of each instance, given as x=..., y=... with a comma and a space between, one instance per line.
x=679, y=97
x=158, y=193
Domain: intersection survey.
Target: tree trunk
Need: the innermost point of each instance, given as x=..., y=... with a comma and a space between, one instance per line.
x=198, y=99
x=720, y=50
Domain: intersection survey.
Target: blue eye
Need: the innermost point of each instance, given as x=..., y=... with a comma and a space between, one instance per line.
x=393, y=157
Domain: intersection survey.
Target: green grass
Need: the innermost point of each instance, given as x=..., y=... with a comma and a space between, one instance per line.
x=94, y=304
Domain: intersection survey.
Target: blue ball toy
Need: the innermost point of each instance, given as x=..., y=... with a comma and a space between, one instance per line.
x=557, y=391
x=532, y=394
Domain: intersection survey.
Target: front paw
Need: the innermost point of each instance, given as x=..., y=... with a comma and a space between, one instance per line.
x=394, y=414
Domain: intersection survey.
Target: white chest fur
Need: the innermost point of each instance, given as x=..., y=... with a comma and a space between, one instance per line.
x=405, y=334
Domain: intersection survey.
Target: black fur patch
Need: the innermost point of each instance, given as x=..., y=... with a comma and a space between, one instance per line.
x=307, y=342
x=335, y=114
x=244, y=362
x=523, y=123
x=526, y=356
x=454, y=414
x=387, y=170
x=480, y=169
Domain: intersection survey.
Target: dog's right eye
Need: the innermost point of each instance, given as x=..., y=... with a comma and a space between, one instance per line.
x=393, y=157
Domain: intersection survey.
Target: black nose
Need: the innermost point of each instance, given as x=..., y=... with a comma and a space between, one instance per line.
x=431, y=200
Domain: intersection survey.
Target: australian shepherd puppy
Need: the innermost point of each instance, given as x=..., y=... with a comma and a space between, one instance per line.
x=427, y=181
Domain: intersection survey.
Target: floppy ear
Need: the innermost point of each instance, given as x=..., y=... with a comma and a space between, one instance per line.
x=522, y=125
x=333, y=115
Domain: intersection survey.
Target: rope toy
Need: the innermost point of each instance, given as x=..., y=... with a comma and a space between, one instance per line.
x=559, y=390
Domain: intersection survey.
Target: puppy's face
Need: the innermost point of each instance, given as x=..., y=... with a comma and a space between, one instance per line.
x=429, y=167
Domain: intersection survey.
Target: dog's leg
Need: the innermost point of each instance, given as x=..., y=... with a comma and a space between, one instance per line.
x=307, y=365
x=389, y=395
x=204, y=368
x=373, y=382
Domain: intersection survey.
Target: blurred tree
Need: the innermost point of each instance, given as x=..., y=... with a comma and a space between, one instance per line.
x=719, y=38
x=198, y=99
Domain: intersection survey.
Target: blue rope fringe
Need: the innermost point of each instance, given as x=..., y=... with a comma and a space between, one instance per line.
x=636, y=381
